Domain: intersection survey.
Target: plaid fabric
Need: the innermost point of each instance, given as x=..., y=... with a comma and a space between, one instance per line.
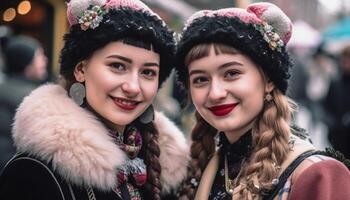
x=133, y=192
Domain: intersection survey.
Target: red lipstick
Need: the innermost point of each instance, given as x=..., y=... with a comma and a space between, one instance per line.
x=125, y=104
x=222, y=110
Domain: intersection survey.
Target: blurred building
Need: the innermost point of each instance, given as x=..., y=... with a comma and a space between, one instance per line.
x=41, y=19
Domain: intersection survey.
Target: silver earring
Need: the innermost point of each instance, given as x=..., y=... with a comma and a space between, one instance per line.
x=77, y=93
x=147, y=116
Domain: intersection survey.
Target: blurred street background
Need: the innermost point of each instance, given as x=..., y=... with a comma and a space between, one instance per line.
x=320, y=81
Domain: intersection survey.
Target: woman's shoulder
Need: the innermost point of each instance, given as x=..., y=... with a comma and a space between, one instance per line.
x=320, y=176
x=49, y=125
x=320, y=163
x=174, y=152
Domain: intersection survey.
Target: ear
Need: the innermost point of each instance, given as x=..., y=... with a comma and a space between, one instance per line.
x=79, y=70
x=269, y=87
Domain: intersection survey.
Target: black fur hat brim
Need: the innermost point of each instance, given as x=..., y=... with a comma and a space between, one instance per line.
x=116, y=25
x=243, y=37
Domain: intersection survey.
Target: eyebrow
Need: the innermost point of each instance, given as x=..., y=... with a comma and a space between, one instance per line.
x=220, y=67
x=128, y=60
x=151, y=64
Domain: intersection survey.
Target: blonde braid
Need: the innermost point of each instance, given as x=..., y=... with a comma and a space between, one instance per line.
x=270, y=140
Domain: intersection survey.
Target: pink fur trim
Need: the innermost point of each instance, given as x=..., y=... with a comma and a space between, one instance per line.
x=174, y=156
x=49, y=125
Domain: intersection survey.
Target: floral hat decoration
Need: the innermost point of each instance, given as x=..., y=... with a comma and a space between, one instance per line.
x=95, y=23
x=261, y=31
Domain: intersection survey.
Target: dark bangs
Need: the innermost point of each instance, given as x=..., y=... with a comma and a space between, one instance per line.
x=203, y=50
x=138, y=42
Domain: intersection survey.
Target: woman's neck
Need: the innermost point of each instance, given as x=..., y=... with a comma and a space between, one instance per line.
x=234, y=135
x=109, y=124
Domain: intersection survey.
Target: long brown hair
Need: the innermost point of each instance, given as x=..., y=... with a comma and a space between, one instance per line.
x=270, y=141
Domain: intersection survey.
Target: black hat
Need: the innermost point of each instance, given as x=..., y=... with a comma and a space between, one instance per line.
x=261, y=32
x=95, y=23
x=19, y=53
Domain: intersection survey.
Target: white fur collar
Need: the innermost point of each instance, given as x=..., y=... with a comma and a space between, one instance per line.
x=49, y=125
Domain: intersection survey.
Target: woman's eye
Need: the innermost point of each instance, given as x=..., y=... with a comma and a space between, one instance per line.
x=118, y=66
x=149, y=73
x=199, y=80
x=231, y=74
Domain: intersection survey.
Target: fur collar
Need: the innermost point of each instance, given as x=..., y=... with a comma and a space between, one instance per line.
x=50, y=126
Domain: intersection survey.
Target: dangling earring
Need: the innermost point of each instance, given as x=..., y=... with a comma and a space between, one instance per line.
x=147, y=116
x=77, y=93
x=268, y=97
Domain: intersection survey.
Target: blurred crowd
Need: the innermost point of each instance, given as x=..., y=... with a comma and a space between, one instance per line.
x=320, y=84
x=24, y=67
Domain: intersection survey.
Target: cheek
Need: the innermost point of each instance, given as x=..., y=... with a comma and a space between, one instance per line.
x=100, y=81
x=149, y=89
x=198, y=96
x=253, y=95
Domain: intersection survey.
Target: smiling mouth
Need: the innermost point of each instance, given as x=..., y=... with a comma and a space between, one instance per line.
x=222, y=110
x=125, y=104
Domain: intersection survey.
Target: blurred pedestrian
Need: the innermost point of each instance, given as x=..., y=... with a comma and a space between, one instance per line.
x=25, y=67
x=337, y=106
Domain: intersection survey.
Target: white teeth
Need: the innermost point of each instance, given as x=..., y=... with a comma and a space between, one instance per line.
x=125, y=102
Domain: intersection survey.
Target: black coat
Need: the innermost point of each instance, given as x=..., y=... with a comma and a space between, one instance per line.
x=337, y=104
x=29, y=178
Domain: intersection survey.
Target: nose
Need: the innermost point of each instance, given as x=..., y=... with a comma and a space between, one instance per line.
x=217, y=91
x=131, y=86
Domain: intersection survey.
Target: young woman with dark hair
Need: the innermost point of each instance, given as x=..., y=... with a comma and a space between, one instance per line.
x=96, y=135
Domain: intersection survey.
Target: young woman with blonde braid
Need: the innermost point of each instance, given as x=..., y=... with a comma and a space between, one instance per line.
x=235, y=64
x=95, y=135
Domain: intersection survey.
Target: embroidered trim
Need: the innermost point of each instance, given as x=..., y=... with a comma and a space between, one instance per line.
x=270, y=36
x=92, y=17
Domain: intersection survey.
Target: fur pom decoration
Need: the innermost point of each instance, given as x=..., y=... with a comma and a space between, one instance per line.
x=76, y=9
x=275, y=17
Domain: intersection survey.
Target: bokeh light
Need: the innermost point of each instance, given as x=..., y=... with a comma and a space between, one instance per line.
x=24, y=7
x=9, y=14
